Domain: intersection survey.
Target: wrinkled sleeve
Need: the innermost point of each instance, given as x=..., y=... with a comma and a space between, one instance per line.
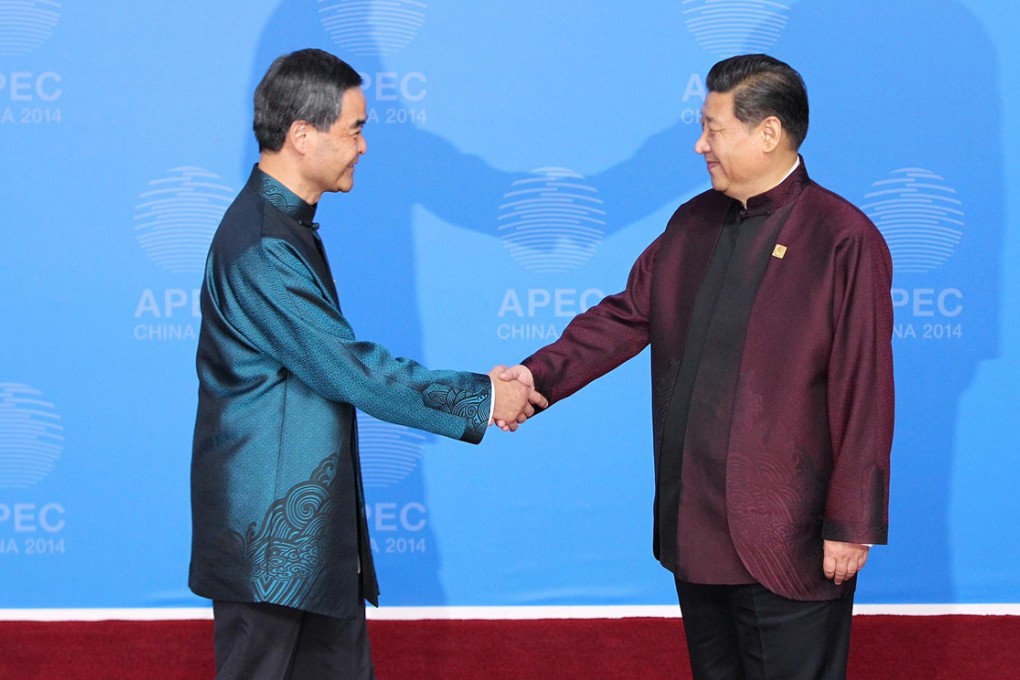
x=271, y=298
x=860, y=393
x=599, y=339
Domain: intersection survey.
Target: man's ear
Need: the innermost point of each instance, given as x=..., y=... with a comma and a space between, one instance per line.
x=299, y=136
x=771, y=131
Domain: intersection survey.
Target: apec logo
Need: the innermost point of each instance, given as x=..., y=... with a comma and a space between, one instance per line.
x=697, y=91
x=28, y=87
x=395, y=98
x=381, y=28
x=541, y=313
x=372, y=27
x=32, y=98
x=922, y=221
x=31, y=444
x=728, y=27
x=177, y=215
x=550, y=223
x=391, y=453
x=919, y=216
x=27, y=24
x=553, y=221
x=31, y=436
x=175, y=219
x=28, y=97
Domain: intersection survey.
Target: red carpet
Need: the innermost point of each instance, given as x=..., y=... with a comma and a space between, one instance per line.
x=883, y=647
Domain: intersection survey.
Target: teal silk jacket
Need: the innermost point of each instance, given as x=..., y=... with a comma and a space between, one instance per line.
x=277, y=503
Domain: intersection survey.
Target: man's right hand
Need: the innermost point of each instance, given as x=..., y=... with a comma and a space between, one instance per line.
x=515, y=396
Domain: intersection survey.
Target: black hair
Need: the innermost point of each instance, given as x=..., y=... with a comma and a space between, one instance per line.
x=763, y=86
x=304, y=85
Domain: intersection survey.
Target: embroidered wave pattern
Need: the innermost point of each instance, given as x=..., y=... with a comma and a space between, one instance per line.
x=286, y=551
x=762, y=496
x=275, y=193
x=729, y=27
x=467, y=405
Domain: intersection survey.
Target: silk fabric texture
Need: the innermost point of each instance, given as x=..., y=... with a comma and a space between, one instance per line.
x=277, y=502
x=808, y=443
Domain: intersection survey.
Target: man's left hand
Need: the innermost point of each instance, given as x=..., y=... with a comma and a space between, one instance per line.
x=515, y=396
x=842, y=561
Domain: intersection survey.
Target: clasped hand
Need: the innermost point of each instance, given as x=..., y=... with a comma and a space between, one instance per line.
x=515, y=396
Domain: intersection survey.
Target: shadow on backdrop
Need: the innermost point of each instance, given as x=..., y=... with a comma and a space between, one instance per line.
x=915, y=90
x=369, y=237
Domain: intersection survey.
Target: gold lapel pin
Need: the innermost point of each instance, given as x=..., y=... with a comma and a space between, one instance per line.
x=779, y=251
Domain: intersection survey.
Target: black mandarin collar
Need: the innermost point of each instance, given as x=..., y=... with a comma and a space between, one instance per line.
x=272, y=191
x=779, y=195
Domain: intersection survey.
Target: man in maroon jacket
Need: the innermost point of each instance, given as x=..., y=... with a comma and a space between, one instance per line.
x=766, y=303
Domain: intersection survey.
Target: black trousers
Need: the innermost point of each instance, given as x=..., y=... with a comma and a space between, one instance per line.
x=257, y=641
x=746, y=632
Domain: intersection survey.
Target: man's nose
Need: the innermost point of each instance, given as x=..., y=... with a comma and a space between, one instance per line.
x=701, y=146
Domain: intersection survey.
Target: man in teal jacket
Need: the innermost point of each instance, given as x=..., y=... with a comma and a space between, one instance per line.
x=280, y=541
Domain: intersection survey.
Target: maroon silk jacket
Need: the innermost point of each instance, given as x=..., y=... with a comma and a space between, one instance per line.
x=807, y=451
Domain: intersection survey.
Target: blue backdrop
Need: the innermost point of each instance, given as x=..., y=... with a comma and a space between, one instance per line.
x=520, y=156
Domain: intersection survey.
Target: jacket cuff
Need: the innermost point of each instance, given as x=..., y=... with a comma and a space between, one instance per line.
x=863, y=534
x=473, y=407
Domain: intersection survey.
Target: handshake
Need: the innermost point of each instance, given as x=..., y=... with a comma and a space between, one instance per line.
x=514, y=396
